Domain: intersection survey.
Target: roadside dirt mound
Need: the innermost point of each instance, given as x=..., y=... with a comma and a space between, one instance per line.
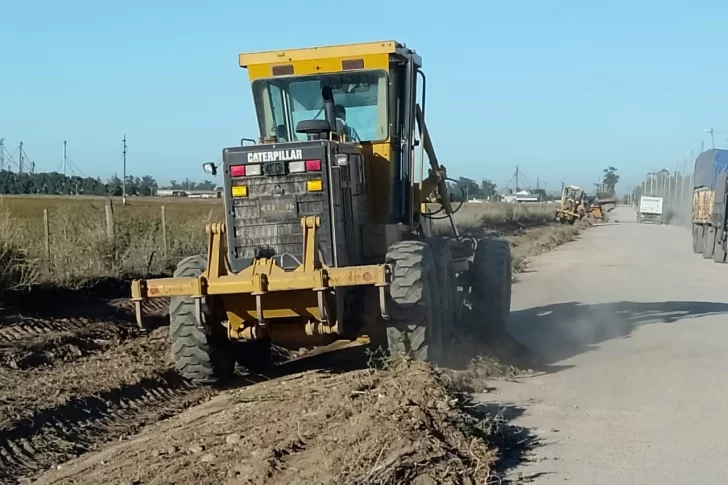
x=375, y=427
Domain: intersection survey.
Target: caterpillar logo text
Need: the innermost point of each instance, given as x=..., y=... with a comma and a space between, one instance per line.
x=275, y=156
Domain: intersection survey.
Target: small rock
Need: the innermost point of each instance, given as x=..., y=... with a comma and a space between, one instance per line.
x=554, y=430
x=232, y=439
x=171, y=450
x=207, y=458
x=196, y=448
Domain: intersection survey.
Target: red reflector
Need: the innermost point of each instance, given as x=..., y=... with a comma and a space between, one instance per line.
x=237, y=171
x=313, y=165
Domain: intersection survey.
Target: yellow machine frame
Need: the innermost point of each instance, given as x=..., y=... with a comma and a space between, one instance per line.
x=565, y=215
x=251, y=308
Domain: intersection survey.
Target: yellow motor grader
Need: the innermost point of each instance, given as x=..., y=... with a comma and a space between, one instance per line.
x=324, y=236
x=572, y=207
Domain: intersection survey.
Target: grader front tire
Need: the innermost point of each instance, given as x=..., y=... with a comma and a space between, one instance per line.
x=199, y=354
x=415, y=322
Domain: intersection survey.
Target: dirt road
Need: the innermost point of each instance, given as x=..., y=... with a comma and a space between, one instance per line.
x=633, y=328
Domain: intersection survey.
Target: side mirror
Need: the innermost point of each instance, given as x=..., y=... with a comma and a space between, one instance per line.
x=210, y=168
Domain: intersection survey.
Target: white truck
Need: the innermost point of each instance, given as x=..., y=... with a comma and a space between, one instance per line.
x=650, y=209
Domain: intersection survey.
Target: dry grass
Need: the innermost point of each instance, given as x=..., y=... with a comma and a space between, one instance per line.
x=80, y=251
x=498, y=216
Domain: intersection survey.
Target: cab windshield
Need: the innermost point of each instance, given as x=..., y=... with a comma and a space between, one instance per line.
x=360, y=98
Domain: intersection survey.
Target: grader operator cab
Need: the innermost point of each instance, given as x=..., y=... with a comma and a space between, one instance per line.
x=323, y=237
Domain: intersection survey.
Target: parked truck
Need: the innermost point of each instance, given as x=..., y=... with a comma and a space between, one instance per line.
x=709, y=204
x=650, y=209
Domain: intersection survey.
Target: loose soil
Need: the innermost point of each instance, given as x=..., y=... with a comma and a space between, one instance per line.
x=76, y=374
x=403, y=425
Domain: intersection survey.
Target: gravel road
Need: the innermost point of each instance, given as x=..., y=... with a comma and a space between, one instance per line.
x=633, y=328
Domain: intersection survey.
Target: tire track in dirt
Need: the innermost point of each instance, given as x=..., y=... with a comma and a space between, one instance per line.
x=72, y=379
x=18, y=327
x=55, y=434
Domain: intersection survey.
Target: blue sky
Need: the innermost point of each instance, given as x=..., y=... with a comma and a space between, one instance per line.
x=561, y=88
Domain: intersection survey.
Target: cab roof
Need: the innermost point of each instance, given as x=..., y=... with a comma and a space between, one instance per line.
x=324, y=52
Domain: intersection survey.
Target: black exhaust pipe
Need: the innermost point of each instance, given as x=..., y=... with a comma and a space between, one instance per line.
x=329, y=108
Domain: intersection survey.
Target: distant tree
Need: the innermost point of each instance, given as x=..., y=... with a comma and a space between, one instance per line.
x=206, y=185
x=488, y=188
x=610, y=180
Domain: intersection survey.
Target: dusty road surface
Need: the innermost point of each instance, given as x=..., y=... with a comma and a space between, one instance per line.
x=633, y=328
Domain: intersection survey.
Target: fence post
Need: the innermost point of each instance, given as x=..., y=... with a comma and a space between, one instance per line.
x=109, y=223
x=47, y=235
x=164, y=230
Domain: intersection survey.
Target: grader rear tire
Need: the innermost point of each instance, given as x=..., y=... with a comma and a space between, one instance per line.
x=447, y=292
x=414, y=328
x=490, y=292
x=200, y=354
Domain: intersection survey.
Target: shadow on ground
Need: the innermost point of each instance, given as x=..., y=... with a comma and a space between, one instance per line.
x=514, y=443
x=562, y=330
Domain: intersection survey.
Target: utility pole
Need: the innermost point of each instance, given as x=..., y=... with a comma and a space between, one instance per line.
x=712, y=137
x=64, y=158
x=20, y=160
x=2, y=154
x=123, y=182
x=517, y=184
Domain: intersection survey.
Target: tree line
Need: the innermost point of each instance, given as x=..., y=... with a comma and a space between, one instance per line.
x=54, y=183
x=466, y=188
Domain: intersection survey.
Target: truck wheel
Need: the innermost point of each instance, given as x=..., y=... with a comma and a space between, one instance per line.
x=414, y=327
x=701, y=239
x=719, y=253
x=709, y=242
x=445, y=268
x=490, y=282
x=199, y=351
x=695, y=239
